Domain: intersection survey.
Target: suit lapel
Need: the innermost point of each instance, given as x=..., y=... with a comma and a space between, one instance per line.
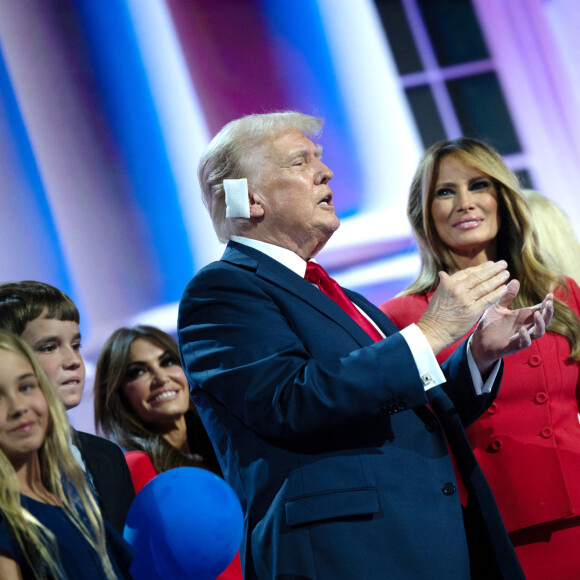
x=284, y=278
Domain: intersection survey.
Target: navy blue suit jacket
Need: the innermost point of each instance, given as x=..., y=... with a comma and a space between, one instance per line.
x=342, y=469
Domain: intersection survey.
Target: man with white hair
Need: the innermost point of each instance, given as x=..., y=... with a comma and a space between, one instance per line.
x=320, y=411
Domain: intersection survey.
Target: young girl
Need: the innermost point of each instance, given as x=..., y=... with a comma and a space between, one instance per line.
x=50, y=525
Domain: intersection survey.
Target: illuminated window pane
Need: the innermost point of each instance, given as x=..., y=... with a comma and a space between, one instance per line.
x=399, y=35
x=454, y=31
x=482, y=111
x=426, y=114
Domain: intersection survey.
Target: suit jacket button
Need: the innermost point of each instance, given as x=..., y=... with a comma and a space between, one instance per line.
x=492, y=408
x=541, y=398
x=546, y=432
x=535, y=361
x=494, y=446
x=449, y=488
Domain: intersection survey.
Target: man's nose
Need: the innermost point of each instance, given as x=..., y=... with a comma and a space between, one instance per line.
x=325, y=174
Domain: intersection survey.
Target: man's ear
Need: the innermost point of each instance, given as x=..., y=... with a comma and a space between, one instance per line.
x=256, y=205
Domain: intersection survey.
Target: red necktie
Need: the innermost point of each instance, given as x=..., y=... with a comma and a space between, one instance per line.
x=317, y=275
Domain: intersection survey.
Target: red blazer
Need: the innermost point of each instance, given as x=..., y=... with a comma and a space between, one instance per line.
x=528, y=441
x=142, y=471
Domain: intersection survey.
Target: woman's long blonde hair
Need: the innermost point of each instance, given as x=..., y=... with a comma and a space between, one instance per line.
x=61, y=475
x=517, y=240
x=555, y=233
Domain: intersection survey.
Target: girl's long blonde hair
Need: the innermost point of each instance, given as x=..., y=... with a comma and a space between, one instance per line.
x=517, y=240
x=61, y=475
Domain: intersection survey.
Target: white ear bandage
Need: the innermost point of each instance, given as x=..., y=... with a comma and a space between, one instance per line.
x=237, y=201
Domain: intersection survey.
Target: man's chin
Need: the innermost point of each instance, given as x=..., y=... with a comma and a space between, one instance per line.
x=333, y=226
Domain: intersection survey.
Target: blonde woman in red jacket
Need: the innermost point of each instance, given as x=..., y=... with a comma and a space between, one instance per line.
x=465, y=208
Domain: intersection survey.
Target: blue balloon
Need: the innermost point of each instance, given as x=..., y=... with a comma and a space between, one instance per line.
x=185, y=523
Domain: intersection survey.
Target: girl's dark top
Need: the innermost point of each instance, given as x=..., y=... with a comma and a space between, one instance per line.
x=79, y=560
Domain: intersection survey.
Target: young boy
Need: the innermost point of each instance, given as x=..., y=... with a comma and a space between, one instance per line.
x=48, y=320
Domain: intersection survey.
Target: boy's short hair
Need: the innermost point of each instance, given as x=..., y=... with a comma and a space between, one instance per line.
x=22, y=302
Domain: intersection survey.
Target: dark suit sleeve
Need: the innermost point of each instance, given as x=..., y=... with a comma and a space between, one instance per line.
x=106, y=463
x=468, y=404
x=284, y=369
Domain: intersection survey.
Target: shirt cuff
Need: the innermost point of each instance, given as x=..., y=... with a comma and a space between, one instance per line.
x=480, y=387
x=427, y=365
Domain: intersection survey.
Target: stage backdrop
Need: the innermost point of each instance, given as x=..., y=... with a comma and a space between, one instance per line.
x=106, y=105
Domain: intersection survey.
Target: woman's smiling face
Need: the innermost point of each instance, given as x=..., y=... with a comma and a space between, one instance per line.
x=155, y=384
x=465, y=211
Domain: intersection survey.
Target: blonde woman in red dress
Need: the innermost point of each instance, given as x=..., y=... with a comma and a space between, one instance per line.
x=465, y=208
